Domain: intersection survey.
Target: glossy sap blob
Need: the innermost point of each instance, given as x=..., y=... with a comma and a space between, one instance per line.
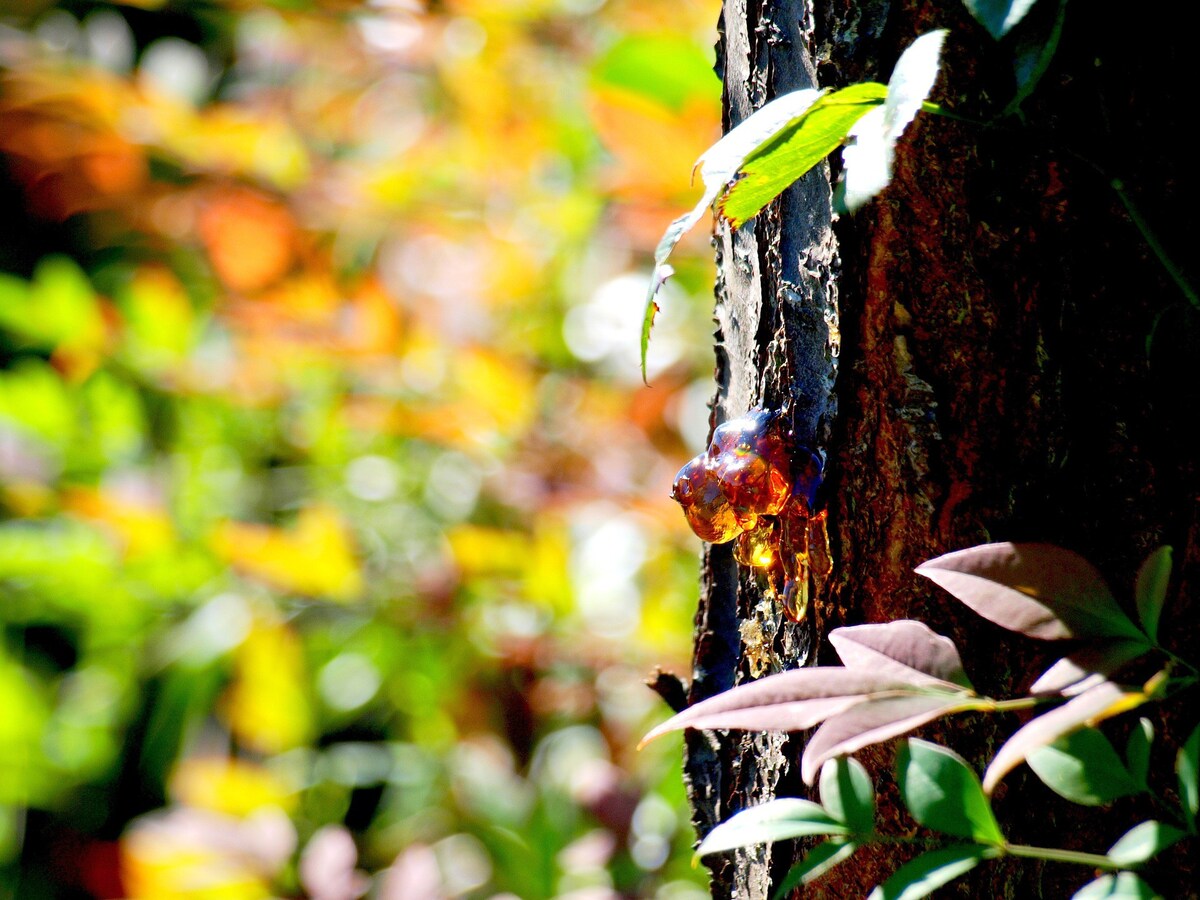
x=745, y=486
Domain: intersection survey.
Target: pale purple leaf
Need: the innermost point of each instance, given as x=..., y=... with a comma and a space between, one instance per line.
x=789, y=701
x=875, y=720
x=904, y=649
x=1094, y=705
x=1037, y=590
x=1087, y=667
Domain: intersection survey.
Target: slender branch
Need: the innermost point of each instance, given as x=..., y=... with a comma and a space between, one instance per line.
x=1053, y=854
x=1154, y=244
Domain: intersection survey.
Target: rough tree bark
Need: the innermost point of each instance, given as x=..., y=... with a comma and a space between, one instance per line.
x=991, y=310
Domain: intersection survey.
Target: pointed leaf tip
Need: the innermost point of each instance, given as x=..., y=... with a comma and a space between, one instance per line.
x=1038, y=590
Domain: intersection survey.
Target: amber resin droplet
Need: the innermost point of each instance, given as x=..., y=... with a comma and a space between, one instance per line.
x=713, y=518
x=758, y=547
x=752, y=460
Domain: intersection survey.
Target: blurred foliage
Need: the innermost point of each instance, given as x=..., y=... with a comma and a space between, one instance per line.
x=334, y=537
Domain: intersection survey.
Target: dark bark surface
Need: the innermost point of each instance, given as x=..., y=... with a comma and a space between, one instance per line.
x=992, y=384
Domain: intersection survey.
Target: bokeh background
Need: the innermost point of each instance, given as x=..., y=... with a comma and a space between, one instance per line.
x=335, y=544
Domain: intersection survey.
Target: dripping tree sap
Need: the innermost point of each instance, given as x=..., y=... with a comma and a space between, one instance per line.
x=749, y=487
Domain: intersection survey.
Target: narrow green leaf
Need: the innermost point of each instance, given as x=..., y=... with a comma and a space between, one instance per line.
x=1143, y=841
x=922, y=876
x=1187, y=767
x=1084, y=768
x=819, y=860
x=1137, y=750
x=998, y=16
x=719, y=165
x=1151, y=590
x=775, y=165
x=848, y=795
x=775, y=820
x=943, y=793
x=1121, y=886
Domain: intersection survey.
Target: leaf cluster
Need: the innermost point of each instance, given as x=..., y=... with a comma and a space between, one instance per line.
x=900, y=675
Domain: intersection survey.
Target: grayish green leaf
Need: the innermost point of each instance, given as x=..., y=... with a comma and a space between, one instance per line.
x=819, y=860
x=1137, y=750
x=1151, y=590
x=943, y=793
x=922, y=876
x=775, y=820
x=998, y=16
x=1144, y=841
x=1084, y=768
x=847, y=793
x=1121, y=886
x=1187, y=768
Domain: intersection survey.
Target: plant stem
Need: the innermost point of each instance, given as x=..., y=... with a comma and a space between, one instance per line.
x=1019, y=703
x=1153, y=243
x=1053, y=854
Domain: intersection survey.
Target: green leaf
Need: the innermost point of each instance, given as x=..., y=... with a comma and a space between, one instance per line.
x=1084, y=768
x=1151, y=590
x=1187, y=767
x=943, y=793
x=1144, y=841
x=922, y=876
x=718, y=166
x=1137, y=750
x=819, y=860
x=775, y=820
x=1103, y=701
x=848, y=795
x=1121, y=886
x=998, y=16
x=788, y=156
x=868, y=161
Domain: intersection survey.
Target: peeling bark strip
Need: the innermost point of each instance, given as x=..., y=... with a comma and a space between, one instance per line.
x=776, y=345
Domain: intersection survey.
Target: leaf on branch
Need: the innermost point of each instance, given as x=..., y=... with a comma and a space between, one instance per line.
x=998, y=16
x=1121, y=886
x=922, y=876
x=847, y=792
x=905, y=648
x=718, y=166
x=775, y=820
x=819, y=860
x=1094, y=705
x=1038, y=590
x=799, y=147
x=1187, y=768
x=1150, y=592
x=1137, y=750
x=795, y=700
x=943, y=793
x=1084, y=768
x=1143, y=842
x=877, y=720
x=1087, y=667
x=868, y=161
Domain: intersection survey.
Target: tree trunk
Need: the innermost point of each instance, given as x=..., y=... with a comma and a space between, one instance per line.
x=993, y=381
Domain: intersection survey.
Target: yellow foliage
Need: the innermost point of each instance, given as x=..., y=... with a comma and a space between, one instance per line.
x=141, y=528
x=315, y=557
x=234, y=787
x=265, y=706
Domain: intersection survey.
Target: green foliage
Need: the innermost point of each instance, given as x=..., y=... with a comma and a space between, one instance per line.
x=898, y=675
x=781, y=142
